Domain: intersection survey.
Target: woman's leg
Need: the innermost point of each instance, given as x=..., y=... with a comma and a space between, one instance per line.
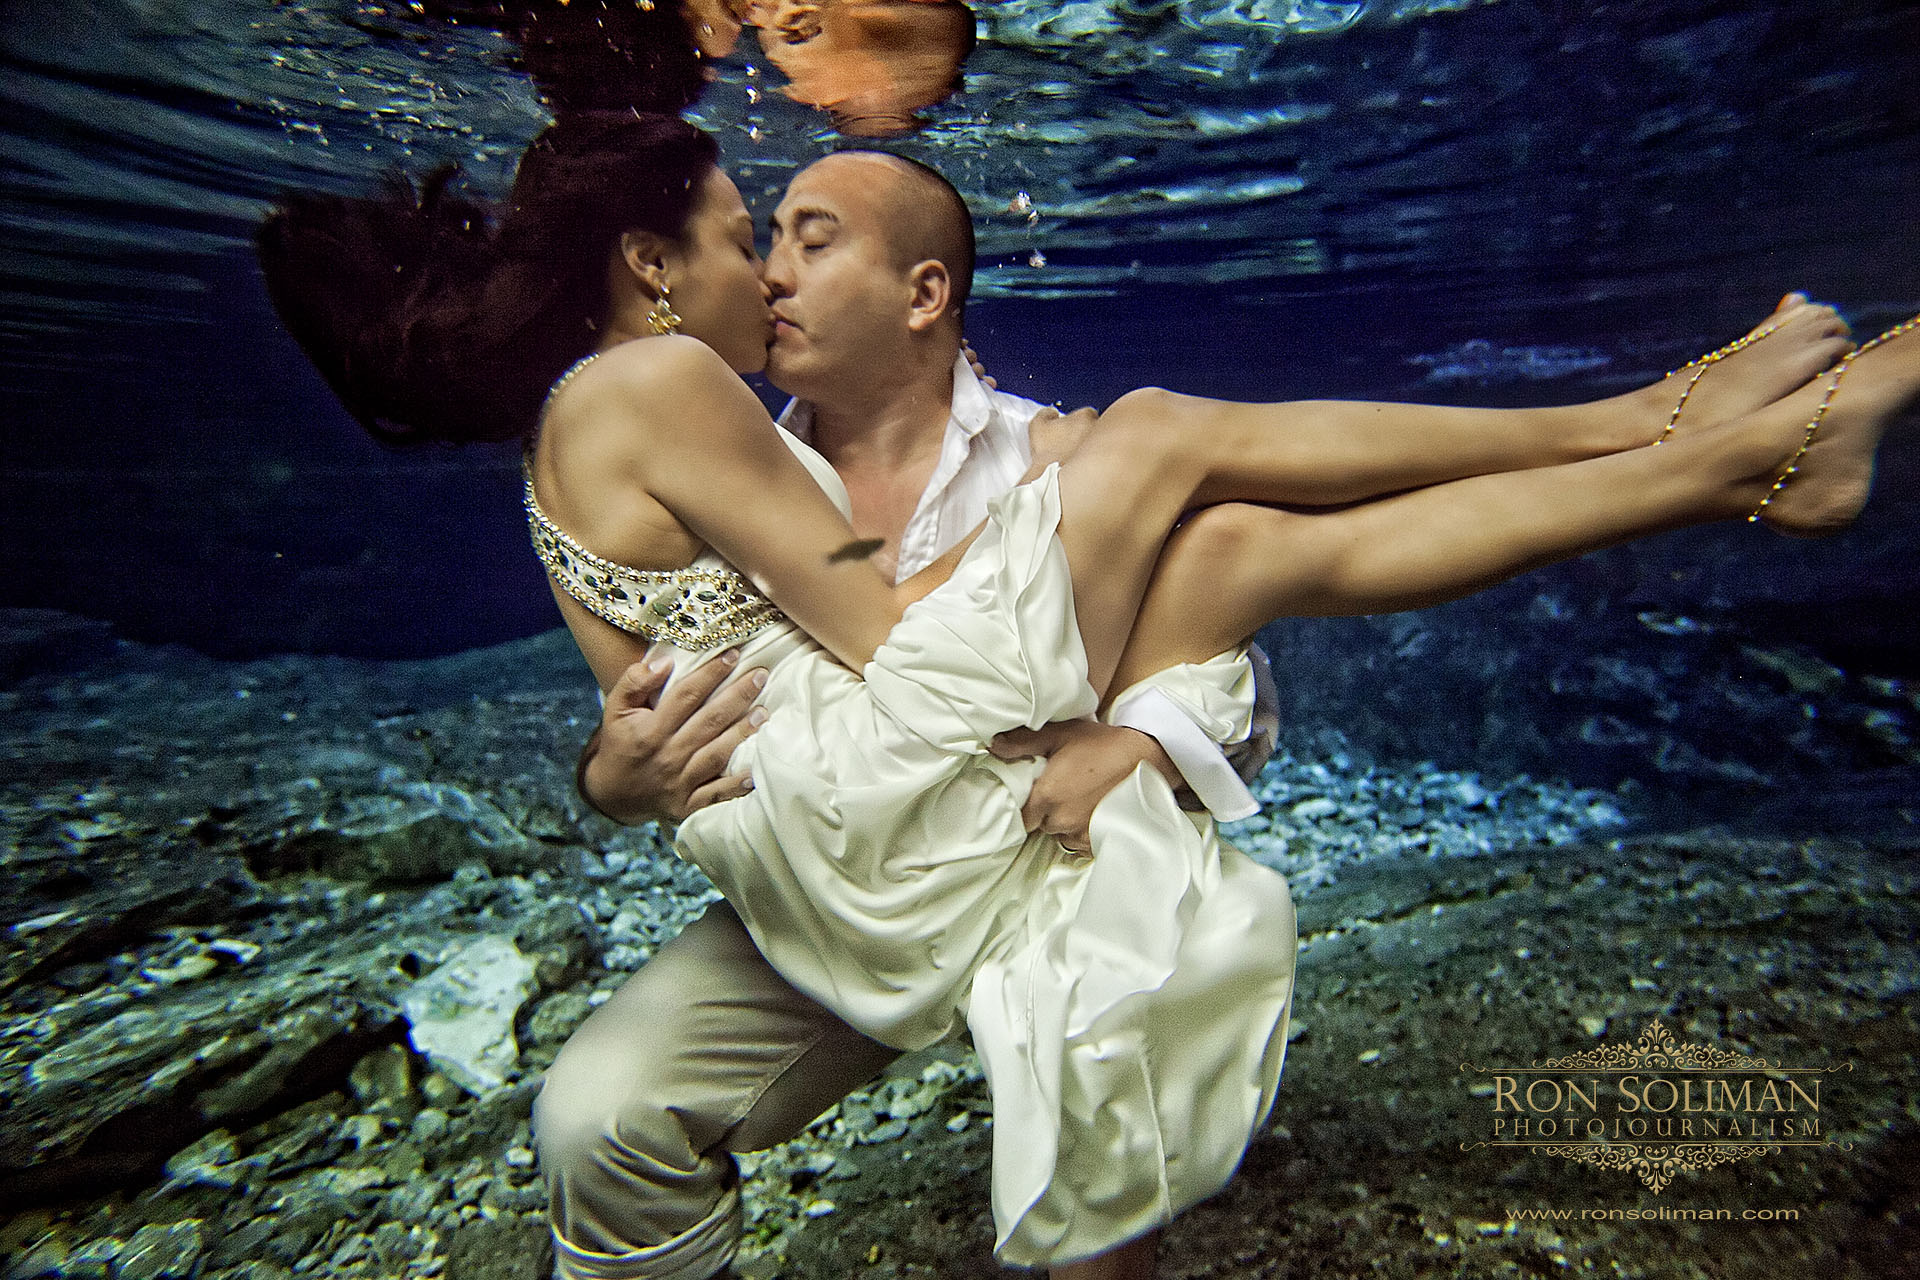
x=1232, y=568
x=1320, y=452
x=1156, y=455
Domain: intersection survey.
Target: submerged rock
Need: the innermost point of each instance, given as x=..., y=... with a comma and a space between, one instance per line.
x=161, y=1253
x=461, y=1015
x=237, y=927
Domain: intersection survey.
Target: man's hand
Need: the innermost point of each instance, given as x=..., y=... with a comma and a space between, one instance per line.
x=649, y=762
x=1085, y=760
x=1053, y=436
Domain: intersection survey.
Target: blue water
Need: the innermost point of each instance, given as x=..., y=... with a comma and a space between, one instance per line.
x=1502, y=203
x=1466, y=202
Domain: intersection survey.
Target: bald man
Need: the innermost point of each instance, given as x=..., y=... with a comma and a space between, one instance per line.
x=706, y=1051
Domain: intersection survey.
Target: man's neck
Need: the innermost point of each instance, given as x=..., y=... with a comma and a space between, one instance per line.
x=895, y=421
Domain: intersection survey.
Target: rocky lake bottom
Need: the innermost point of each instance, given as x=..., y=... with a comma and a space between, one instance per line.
x=289, y=942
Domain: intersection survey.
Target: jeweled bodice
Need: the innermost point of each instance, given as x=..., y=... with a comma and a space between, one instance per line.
x=698, y=609
x=701, y=607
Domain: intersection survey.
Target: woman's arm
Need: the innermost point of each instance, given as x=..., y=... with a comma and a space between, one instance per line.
x=664, y=421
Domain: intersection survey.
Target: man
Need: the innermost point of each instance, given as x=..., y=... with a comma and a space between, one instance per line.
x=706, y=1050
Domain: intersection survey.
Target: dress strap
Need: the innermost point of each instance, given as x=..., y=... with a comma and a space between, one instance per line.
x=568, y=376
x=693, y=609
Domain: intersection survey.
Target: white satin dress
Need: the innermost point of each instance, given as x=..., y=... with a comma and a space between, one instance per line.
x=1130, y=1009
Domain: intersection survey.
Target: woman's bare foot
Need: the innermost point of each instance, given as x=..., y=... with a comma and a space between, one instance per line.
x=1819, y=487
x=1778, y=357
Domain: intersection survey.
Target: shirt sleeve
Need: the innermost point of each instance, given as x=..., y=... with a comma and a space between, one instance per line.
x=1217, y=721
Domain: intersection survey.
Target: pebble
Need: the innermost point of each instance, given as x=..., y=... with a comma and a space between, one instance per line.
x=395, y=1241
x=440, y=1091
x=360, y=1131
x=186, y=970
x=202, y=1161
x=240, y=952
x=430, y=1124
x=413, y=1200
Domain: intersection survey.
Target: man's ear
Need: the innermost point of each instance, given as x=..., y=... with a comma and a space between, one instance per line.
x=932, y=294
x=645, y=257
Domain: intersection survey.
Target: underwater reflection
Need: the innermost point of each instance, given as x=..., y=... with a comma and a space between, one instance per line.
x=606, y=55
x=872, y=65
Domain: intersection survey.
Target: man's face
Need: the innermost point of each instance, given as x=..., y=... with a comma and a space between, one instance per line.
x=841, y=297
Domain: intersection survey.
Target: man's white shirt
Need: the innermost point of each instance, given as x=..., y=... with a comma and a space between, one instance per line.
x=985, y=452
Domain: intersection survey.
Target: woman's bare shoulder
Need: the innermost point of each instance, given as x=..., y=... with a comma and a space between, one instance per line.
x=656, y=381
x=670, y=362
x=600, y=436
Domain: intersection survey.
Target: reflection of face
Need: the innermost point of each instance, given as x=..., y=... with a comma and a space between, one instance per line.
x=714, y=273
x=871, y=63
x=840, y=293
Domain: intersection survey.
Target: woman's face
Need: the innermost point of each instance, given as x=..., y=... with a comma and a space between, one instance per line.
x=714, y=273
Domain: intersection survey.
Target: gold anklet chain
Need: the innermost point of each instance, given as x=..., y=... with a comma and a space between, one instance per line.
x=1839, y=371
x=1705, y=362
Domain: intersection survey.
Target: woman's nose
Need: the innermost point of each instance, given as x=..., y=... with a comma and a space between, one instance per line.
x=773, y=274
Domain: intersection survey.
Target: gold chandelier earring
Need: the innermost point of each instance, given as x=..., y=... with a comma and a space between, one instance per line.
x=662, y=318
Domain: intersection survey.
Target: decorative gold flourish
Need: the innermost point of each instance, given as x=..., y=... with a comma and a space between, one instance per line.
x=1656, y=1165
x=1656, y=1051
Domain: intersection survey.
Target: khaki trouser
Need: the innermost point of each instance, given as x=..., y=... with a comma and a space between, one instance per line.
x=704, y=1052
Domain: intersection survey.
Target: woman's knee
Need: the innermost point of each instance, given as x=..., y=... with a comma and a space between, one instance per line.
x=1174, y=437
x=1225, y=534
x=1148, y=410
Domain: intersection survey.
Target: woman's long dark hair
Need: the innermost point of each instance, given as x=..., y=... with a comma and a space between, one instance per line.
x=432, y=321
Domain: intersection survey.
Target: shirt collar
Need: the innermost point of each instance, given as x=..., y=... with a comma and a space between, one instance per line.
x=971, y=412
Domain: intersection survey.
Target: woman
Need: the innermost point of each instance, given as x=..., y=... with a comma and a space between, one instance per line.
x=1131, y=1025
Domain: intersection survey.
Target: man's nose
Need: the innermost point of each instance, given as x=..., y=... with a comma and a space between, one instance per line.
x=774, y=276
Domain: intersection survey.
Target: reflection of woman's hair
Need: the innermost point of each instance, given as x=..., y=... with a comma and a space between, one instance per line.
x=432, y=323
x=594, y=55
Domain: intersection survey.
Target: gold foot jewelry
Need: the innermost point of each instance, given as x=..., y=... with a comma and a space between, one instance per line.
x=1706, y=362
x=1838, y=372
